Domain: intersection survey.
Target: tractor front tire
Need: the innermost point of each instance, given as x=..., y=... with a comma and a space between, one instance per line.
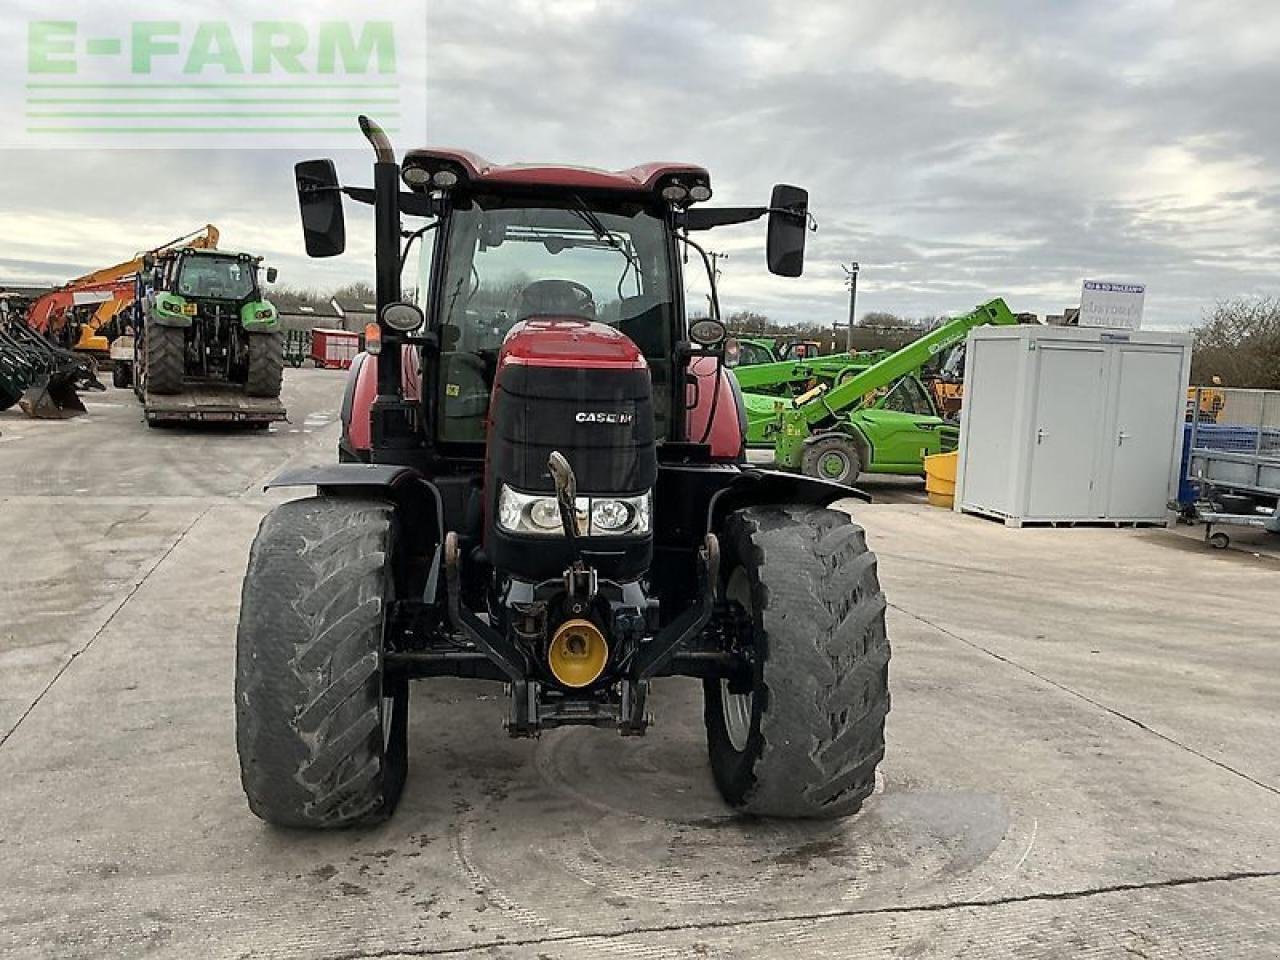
x=833, y=457
x=804, y=740
x=166, y=358
x=266, y=365
x=320, y=728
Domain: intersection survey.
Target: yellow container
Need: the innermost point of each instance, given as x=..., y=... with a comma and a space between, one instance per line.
x=940, y=478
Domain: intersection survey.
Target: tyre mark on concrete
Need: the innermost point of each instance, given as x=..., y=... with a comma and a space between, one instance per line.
x=120, y=605
x=1119, y=714
x=755, y=922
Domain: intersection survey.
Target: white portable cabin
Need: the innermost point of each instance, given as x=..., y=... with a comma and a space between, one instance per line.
x=1072, y=424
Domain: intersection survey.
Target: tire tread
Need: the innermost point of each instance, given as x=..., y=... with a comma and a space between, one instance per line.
x=309, y=682
x=824, y=676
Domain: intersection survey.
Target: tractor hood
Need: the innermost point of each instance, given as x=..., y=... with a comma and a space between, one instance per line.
x=570, y=342
x=580, y=389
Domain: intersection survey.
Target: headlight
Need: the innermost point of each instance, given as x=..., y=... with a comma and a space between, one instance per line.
x=545, y=514
x=539, y=515
x=609, y=516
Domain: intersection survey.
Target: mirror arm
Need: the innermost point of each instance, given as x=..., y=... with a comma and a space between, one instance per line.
x=412, y=236
x=706, y=218
x=358, y=194
x=413, y=204
x=711, y=276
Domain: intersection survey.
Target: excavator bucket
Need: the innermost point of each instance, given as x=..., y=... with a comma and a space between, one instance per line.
x=51, y=398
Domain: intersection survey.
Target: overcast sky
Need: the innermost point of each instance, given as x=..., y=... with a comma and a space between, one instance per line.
x=958, y=150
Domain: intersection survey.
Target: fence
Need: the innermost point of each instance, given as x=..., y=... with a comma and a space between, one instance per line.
x=1234, y=441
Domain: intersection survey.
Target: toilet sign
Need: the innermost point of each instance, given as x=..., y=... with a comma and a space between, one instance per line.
x=1107, y=304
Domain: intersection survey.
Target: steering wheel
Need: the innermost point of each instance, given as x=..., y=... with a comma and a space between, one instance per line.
x=556, y=297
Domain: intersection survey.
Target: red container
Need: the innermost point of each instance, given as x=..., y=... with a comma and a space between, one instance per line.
x=334, y=349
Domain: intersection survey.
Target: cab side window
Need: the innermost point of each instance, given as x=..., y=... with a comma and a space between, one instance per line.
x=907, y=396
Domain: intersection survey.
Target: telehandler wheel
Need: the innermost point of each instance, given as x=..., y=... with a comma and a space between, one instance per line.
x=166, y=358
x=805, y=738
x=833, y=457
x=266, y=365
x=121, y=374
x=321, y=730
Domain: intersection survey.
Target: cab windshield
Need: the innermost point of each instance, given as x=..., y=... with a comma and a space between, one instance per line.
x=219, y=278
x=509, y=261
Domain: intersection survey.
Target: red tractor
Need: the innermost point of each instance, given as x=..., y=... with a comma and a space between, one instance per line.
x=543, y=484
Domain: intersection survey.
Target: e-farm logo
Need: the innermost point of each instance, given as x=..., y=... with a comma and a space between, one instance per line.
x=229, y=74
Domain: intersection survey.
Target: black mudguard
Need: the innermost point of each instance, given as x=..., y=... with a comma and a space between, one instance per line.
x=759, y=487
x=417, y=499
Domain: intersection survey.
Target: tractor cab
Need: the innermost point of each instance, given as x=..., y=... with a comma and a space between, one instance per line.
x=212, y=275
x=511, y=258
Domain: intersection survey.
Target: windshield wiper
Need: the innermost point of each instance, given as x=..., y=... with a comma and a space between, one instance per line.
x=588, y=216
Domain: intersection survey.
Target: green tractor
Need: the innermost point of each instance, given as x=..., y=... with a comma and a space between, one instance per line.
x=206, y=343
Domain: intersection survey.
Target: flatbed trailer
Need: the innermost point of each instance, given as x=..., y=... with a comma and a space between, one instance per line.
x=212, y=403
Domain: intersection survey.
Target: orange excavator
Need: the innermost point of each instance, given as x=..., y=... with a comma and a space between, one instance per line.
x=63, y=315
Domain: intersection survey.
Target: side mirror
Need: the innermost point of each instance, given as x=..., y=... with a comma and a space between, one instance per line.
x=148, y=263
x=320, y=202
x=788, y=223
x=272, y=273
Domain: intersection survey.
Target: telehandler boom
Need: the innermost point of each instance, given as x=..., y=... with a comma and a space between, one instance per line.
x=861, y=424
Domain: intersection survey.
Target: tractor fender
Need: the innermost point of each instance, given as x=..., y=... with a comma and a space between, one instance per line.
x=717, y=413
x=165, y=310
x=259, y=316
x=418, y=503
x=760, y=487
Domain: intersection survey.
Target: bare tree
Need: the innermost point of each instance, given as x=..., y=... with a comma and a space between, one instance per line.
x=1240, y=343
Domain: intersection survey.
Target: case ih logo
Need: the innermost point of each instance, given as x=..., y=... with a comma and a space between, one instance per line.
x=584, y=416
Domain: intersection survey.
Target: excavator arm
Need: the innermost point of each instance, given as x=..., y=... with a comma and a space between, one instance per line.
x=49, y=313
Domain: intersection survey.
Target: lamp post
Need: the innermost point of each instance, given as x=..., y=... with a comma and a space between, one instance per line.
x=851, y=281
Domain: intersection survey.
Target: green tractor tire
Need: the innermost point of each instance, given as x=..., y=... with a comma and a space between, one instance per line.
x=166, y=360
x=266, y=365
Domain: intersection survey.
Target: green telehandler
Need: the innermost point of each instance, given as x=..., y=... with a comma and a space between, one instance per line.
x=880, y=419
x=770, y=385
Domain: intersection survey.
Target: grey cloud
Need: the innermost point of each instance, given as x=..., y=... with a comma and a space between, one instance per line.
x=957, y=150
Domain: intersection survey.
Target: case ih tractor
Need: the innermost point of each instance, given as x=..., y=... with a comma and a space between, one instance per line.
x=553, y=496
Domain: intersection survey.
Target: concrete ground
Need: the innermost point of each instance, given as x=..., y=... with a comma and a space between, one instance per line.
x=1083, y=755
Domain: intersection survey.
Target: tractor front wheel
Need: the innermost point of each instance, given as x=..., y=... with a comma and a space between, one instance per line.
x=804, y=737
x=266, y=365
x=833, y=457
x=321, y=728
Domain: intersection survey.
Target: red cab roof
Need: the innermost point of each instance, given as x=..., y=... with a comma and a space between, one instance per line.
x=643, y=177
